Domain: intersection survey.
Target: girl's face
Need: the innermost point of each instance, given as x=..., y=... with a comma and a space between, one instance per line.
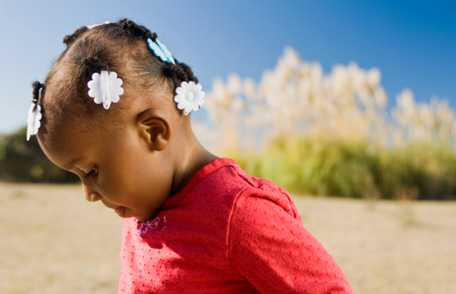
x=127, y=168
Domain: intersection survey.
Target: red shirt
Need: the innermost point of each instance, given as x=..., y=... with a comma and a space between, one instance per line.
x=226, y=232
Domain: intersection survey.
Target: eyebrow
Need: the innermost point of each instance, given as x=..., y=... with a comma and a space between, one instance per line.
x=72, y=162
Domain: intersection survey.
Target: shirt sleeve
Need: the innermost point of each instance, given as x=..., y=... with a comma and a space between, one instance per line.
x=268, y=245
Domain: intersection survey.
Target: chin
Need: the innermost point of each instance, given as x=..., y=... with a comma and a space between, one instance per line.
x=142, y=218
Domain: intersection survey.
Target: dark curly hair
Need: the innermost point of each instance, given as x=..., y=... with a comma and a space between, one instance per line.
x=119, y=46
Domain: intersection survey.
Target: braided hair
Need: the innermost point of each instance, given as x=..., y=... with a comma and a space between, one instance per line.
x=177, y=72
x=37, y=87
x=120, y=46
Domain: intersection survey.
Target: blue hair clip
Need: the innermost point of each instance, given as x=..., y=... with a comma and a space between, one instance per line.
x=160, y=50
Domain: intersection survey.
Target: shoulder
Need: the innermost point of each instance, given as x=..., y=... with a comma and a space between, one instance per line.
x=233, y=185
x=267, y=243
x=260, y=190
x=264, y=190
x=262, y=212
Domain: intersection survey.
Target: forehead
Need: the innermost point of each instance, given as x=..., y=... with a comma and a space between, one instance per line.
x=72, y=141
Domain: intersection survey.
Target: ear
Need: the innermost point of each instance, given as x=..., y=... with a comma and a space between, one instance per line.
x=153, y=128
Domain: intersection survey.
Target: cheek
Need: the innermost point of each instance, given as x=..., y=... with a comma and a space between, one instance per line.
x=133, y=177
x=116, y=178
x=147, y=174
x=150, y=177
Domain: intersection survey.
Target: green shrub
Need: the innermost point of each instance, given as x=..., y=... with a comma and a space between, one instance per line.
x=321, y=166
x=23, y=161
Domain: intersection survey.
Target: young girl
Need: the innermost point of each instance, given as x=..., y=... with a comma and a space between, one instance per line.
x=193, y=222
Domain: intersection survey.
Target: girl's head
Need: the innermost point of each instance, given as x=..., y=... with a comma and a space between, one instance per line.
x=125, y=156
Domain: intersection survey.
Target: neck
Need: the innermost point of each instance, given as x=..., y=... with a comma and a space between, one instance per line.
x=190, y=161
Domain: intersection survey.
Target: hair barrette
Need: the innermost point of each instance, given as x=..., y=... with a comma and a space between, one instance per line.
x=160, y=50
x=105, y=87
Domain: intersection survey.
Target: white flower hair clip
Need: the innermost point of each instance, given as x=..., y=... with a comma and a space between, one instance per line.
x=97, y=24
x=33, y=120
x=190, y=96
x=105, y=87
x=34, y=114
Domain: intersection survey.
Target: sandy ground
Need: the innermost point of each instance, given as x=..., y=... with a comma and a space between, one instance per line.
x=53, y=241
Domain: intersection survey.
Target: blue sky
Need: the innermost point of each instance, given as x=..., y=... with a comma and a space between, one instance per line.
x=413, y=43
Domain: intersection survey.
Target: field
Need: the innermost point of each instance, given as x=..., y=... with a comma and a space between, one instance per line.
x=53, y=241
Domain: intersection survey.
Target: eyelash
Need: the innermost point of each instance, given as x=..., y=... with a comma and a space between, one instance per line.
x=90, y=173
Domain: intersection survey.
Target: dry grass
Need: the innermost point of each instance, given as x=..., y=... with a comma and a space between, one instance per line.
x=56, y=242
x=53, y=241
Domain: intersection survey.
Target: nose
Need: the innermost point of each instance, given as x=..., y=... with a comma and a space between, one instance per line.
x=93, y=197
x=90, y=194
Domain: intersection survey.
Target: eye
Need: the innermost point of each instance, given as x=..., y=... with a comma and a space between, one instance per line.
x=92, y=173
